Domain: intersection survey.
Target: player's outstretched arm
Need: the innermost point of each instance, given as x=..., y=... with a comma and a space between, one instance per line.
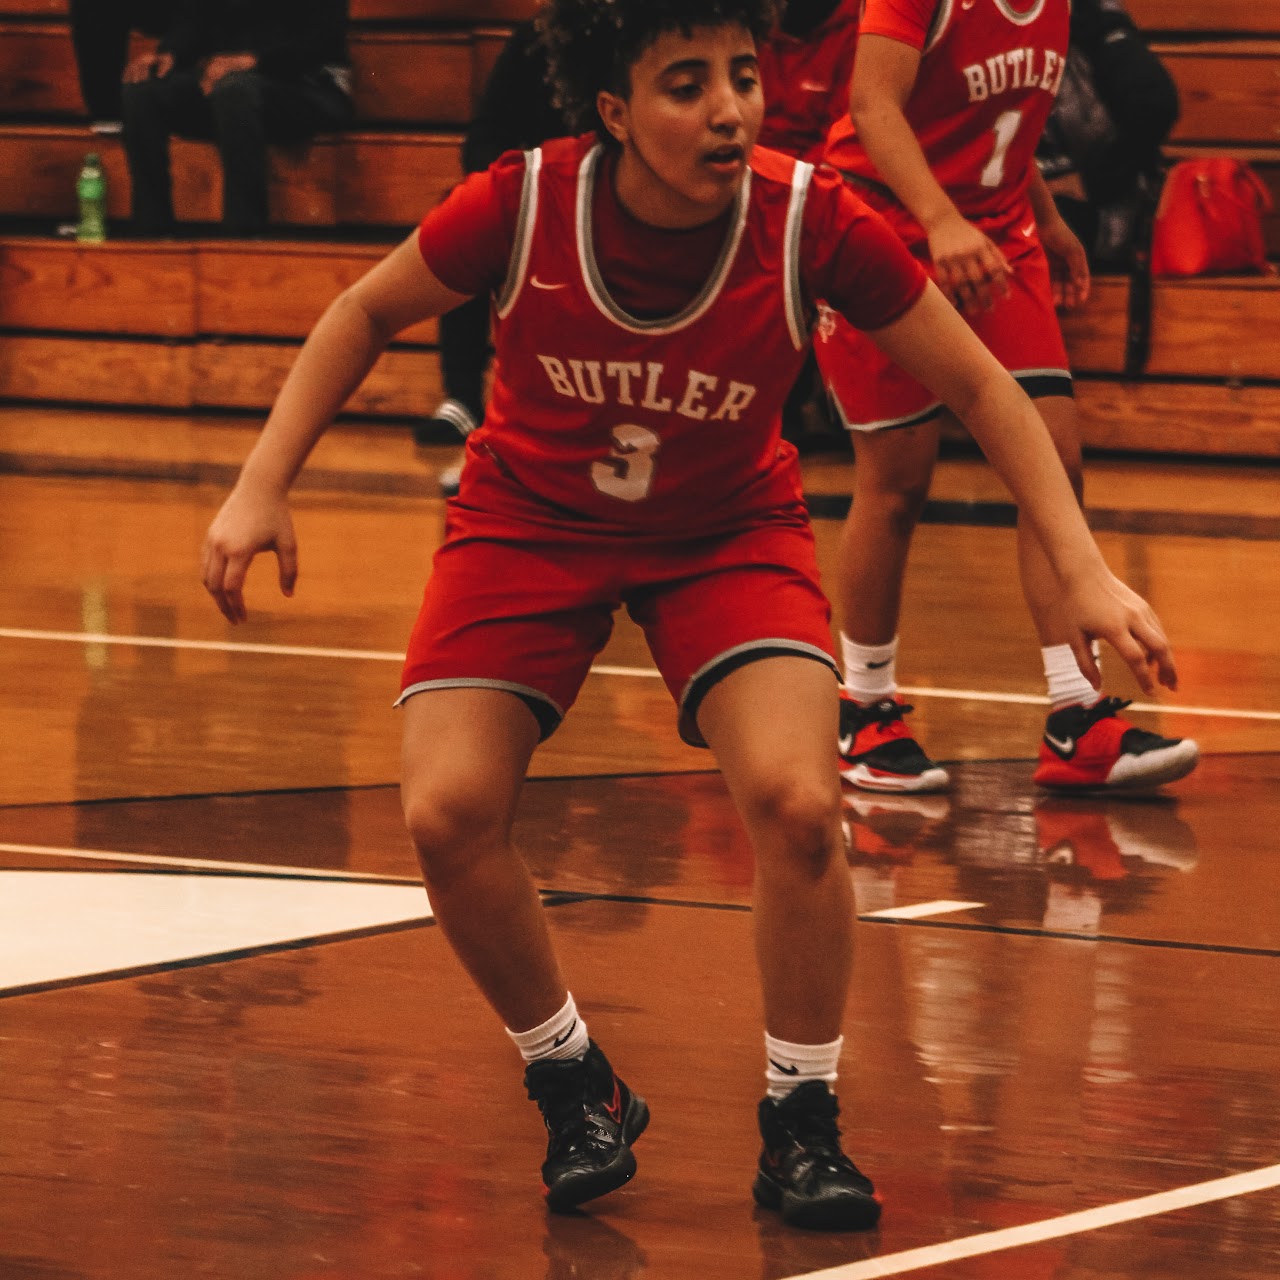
x=936, y=347
x=334, y=360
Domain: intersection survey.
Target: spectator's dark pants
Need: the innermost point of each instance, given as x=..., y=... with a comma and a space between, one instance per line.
x=464, y=353
x=100, y=35
x=245, y=111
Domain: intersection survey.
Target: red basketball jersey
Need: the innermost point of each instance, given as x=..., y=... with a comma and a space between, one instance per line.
x=989, y=71
x=661, y=425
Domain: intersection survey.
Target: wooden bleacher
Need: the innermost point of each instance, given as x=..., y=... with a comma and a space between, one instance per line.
x=214, y=324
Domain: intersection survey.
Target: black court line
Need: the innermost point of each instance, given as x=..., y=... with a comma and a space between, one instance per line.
x=325, y=790
x=559, y=898
x=220, y=957
x=1004, y=515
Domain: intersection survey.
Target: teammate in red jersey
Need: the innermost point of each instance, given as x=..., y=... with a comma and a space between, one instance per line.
x=948, y=101
x=654, y=289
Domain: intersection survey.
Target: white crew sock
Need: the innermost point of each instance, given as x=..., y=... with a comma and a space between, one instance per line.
x=563, y=1035
x=869, y=669
x=1067, y=684
x=791, y=1065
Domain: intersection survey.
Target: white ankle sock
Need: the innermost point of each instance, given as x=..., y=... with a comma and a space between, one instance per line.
x=563, y=1035
x=1067, y=684
x=791, y=1065
x=869, y=669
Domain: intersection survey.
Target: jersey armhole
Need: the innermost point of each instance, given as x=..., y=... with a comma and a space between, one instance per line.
x=523, y=243
x=801, y=176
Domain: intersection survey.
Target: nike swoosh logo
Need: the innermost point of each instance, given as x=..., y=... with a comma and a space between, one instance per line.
x=786, y=1071
x=875, y=666
x=614, y=1108
x=813, y=86
x=846, y=743
x=542, y=284
x=1029, y=230
x=1063, y=746
x=564, y=1039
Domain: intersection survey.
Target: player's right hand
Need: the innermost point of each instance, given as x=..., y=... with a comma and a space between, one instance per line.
x=247, y=524
x=968, y=266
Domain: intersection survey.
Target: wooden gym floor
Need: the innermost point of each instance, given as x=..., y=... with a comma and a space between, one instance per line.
x=233, y=1046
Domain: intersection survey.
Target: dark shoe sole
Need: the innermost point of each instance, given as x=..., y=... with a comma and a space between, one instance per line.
x=575, y=1189
x=853, y=1212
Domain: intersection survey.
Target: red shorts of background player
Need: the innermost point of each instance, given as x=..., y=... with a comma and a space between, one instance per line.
x=529, y=609
x=872, y=394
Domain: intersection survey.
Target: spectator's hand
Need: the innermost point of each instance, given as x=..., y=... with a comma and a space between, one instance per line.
x=223, y=64
x=970, y=269
x=1068, y=263
x=148, y=66
x=250, y=521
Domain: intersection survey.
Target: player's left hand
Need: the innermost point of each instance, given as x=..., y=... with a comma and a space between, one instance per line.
x=1105, y=609
x=1068, y=263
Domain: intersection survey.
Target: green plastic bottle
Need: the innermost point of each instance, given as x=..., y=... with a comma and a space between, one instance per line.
x=91, y=189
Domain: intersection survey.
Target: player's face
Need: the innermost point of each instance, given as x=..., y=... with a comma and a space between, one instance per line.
x=688, y=127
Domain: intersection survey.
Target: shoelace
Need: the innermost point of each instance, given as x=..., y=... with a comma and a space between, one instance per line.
x=885, y=713
x=1102, y=710
x=817, y=1131
x=565, y=1104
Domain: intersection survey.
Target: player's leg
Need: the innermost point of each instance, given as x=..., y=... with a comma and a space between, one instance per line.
x=1087, y=744
x=488, y=674
x=769, y=724
x=743, y=640
x=892, y=475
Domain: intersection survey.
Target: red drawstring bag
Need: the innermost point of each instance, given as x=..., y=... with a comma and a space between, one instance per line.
x=1209, y=219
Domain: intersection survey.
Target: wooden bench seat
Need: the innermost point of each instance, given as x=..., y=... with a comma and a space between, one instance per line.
x=1229, y=90
x=354, y=179
x=420, y=11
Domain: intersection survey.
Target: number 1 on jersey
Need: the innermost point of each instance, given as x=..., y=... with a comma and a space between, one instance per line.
x=1006, y=129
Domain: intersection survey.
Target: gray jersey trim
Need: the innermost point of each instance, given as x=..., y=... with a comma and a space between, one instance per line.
x=595, y=281
x=791, y=255
x=523, y=246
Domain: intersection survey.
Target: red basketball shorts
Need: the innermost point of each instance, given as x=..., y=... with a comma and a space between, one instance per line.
x=527, y=609
x=872, y=394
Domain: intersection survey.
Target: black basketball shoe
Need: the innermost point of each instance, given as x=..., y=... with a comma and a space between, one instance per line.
x=803, y=1172
x=592, y=1119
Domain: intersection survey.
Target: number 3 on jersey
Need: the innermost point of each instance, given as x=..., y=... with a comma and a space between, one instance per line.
x=627, y=473
x=1005, y=129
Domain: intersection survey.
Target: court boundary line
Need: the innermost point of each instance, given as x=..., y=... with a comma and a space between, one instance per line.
x=646, y=673
x=1069, y=1224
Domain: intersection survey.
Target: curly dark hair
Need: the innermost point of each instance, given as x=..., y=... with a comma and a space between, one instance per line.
x=592, y=44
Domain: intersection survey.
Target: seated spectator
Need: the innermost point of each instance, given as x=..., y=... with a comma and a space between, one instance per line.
x=100, y=32
x=242, y=73
x=515, y=113
x=1100, y=152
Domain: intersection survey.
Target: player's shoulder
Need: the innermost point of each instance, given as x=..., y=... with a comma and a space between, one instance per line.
x=773, y=168
x=565, y=155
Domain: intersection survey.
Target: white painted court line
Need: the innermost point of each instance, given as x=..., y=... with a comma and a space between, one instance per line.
x=921, y=910
x=641, y=673
x=1109, y=1215
x=203, y=864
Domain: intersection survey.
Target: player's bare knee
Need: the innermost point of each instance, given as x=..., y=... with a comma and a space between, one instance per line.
x=800, y=817
x=449, y=832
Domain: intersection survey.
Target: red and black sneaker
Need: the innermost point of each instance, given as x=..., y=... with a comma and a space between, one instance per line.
x=592, y=1119
x=877, y=751
x=1088, y=748
x=803, y=1171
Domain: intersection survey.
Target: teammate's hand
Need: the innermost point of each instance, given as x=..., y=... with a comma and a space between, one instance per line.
x=970, y=269
x=247, y=524
x=1105, y=609
x=1068, y=263
x=223, y=64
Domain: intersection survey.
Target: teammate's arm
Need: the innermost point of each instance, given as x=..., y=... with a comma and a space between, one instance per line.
x=936, y=347
x=1067, y=259
x=970, y=269
x=344, y=345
